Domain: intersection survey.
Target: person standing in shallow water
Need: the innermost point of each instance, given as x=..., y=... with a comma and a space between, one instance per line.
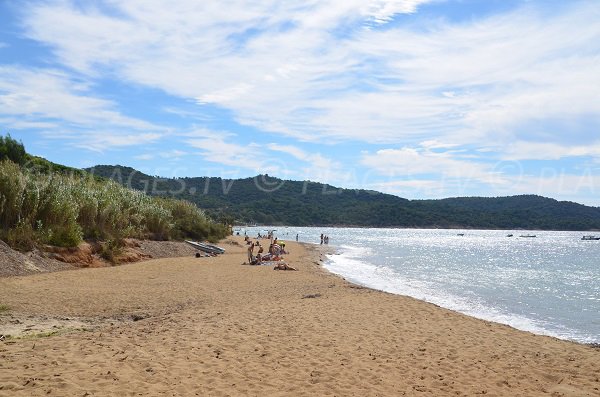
x=296, y=237
x=321, y=238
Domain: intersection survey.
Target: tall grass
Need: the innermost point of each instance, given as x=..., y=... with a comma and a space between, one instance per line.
x=63, y=210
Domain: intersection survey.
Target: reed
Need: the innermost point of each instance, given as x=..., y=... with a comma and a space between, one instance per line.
x=62, y=210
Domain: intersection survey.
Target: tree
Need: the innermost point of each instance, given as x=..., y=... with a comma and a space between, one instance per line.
x=12, y=150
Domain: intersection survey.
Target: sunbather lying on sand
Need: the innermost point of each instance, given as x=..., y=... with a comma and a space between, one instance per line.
x=283, y=266
x=271, y=257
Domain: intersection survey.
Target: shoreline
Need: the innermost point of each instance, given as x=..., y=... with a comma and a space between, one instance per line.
x=541, y=332
x=595, y=345
x=422, y=228
x=214, y=327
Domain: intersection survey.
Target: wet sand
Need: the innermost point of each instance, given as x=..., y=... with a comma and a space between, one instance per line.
x=213, y=327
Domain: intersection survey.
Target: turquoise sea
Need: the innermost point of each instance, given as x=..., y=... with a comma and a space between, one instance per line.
x=548, y=284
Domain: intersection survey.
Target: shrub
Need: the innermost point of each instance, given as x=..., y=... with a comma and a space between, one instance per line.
x=21, y=237
x=111, y=248
x=12, y=187
x=61, y=210
x=12, y=150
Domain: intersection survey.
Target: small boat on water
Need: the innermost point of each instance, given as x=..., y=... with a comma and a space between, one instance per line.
x=208, y=248
x=590, y=237
x=460, y=234
x=528, y=235
x=509, y=235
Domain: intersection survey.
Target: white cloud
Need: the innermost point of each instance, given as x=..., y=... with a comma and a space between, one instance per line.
x=146, y=156
x=173, y=154
x=100, y=142
x=221, y=148
x=412, y=183
x=549, y=151
x=502, y=72
x=383, y=10
x=291, y=150
x=435, y=144
x=582, y=188
x=170, y=155
x=19, y=124
x=175, y=47
x=216, y=150
x=419, y=172
x=226, y=95
x=318, y=168
x=504, y=179
x=280, y=67
x=42, y=94
x=62, y=108
x=206, y=133
x=421, y=161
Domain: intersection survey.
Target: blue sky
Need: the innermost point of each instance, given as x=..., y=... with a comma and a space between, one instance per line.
x=418, y=98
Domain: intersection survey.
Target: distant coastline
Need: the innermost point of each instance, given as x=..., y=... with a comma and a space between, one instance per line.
x=342, y=226
x=267, y=200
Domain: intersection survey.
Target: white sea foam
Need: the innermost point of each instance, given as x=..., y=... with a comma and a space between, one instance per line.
x=352, y=262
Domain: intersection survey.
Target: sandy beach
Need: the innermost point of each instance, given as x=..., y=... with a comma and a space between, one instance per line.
x=214, y=327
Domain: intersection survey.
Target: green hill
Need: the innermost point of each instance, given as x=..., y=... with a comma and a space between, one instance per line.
x=268, y=200
x=12, y=150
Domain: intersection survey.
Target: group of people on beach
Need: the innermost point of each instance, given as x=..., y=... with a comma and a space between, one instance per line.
x=274, y=254
x=324, y=239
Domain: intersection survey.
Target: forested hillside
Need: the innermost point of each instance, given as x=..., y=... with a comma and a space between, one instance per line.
x=268, y=200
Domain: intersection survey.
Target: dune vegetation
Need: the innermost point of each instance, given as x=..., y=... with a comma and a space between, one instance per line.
x=42, y=206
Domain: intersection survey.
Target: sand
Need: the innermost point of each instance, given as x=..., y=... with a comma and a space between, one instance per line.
x=53, y=259
x=214, y=327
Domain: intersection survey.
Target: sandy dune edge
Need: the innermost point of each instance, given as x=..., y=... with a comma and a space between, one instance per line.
x=211, y=326
x=87, y=254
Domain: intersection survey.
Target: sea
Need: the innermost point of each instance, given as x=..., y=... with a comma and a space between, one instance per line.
x=548, y=284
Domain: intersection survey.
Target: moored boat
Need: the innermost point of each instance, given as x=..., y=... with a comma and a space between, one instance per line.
x=590, y=237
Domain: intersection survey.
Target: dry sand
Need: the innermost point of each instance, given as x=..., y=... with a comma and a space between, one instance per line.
x=212, y=327
x=53, y=259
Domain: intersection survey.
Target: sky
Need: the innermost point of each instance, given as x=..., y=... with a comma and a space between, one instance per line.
x=417, y=98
